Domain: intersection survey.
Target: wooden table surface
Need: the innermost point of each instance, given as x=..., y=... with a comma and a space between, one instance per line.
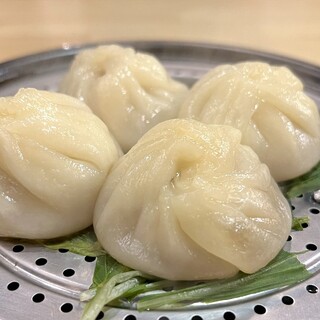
x=285, y=27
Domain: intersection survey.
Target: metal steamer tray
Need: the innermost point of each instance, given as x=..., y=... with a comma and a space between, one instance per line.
x=37, y=283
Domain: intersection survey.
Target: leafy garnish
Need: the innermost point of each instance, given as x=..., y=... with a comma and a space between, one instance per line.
x=298, y=222
x=84, y=244
x=119, y=282
x=106, y=268
x=147, y=287
x=111, y=288
x=283, y=271
x=308, y=182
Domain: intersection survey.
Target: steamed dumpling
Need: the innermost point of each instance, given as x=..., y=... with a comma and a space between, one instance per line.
x=54, y=156
x=130, y=91
x=268, y=105
x=189, y=202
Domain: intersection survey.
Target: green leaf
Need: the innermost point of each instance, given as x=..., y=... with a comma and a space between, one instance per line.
x=110, y=289
x=84, y=243
x=106, y=267
x=147, y=287
x=308, y=182
x=283, y=271
x=297, y=223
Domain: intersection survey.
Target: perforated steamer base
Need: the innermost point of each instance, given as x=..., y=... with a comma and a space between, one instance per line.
x=37, y=283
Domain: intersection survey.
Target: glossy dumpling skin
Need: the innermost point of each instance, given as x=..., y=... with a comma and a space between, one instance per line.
x=189, y=202
x=54, y=157
x=130, y=91
x=276, y=118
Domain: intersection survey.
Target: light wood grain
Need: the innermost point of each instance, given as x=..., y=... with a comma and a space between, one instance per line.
x=290, y=28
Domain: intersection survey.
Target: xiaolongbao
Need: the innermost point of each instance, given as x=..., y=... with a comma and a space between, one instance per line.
x=276, y=118
x=54, y=157
x=189, y=202
x=130, y=91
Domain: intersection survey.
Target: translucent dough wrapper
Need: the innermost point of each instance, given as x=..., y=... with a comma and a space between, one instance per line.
x=130, y=91
x=268, y=105
x=189, y=202
x=54, y=156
